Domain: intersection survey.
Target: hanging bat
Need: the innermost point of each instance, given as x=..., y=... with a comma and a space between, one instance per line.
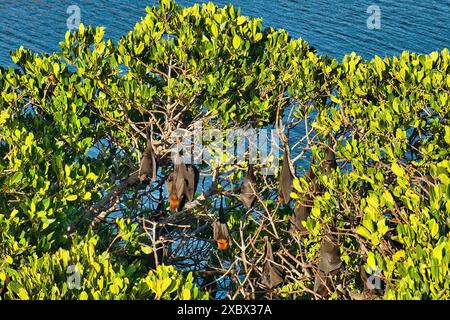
x=51, y=85
x=176, y=186
x=149, y=166
x=301, y=213
x=248, y=188
x=272, y=276
x=191, y=177
x=330, y=262
x=323, y=284
x=286, y=179
x=302, y=209
x=330, y=160
x=220, y=230
x=329, y=254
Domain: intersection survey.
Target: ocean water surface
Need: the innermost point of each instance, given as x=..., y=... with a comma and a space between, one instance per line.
x=333, y=27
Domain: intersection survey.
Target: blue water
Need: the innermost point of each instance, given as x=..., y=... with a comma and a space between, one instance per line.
x=333, y=27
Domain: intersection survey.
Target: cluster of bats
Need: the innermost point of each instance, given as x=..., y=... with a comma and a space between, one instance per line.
x=181, y=185
x=330, y=261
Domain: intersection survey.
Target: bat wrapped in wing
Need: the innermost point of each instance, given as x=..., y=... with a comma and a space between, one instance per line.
x=330, y=262
x=248, y=188
x=272, y=275
x=286, y=179
x=303, y=208
x=149, y=165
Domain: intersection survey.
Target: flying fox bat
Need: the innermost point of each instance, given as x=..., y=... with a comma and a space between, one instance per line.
x=220, y=230
x=149, y=166
x=181, y=185
x=191, y=176
x=286, y=179
x=248, y=188
x=302, y=209
x=301, y=213
x=272, y=276
x=330, y=262
x=176, y=185
x=330, y=160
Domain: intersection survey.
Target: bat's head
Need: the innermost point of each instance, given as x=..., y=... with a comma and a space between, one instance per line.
x=174, y=202
x=144, y=178
x=222, y=244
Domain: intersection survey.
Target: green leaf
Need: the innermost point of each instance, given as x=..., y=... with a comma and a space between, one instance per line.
x=241, y=20
x=297, y=186
x=397, y=170
x=214, y=30
x=363, y=232
x=335, y=100
x=237, y=42
x=56, y=69
x=186, y=294
x=17, y=177
x=447, y=134
x=434, y=55
x=84, y=296
x=87, y=196
x=373, y=201
x=146, y=249
x=72, y=197
x=388, y=198
x=23, y=294
x=81, y=29
x=258, y=36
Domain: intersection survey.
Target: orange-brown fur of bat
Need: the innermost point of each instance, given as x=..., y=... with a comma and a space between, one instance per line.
x=181, y=185
x=222, y=244
x=221, y=234
x=174, y=202
x=176, y=185
x=220, y=230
